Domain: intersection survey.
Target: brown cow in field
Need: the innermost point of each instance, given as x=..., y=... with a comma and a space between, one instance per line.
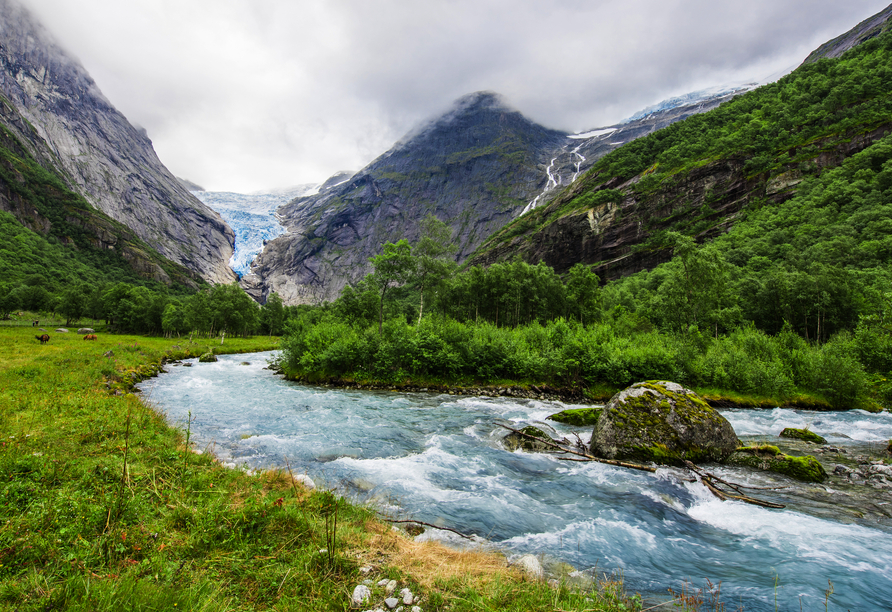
x=90, y=337
x=43, y=339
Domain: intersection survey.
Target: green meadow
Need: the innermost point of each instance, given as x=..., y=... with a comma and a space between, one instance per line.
x=106, y=506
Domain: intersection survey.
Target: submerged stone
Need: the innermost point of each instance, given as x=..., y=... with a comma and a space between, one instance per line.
x=802, y=434
x=663, y=422
x=577, y=417
x=769, y=458
x=514, y=440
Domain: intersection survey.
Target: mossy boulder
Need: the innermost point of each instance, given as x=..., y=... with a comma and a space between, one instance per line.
x=663, y=422
x=577, y=417
x=802, y=434
x=514, y=440
x=769, y=458
x=207, y=358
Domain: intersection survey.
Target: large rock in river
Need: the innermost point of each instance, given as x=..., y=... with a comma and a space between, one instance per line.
x=662, y=422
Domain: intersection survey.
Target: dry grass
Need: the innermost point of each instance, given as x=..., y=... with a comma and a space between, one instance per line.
x=431, y=563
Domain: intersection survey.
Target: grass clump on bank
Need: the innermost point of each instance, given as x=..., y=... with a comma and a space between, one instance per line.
x=103, y=506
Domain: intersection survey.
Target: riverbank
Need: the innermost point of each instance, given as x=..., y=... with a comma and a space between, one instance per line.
x=105, y=506
x=601, y=394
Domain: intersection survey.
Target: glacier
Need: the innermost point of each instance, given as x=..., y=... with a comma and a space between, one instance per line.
x=252, y=216
x=691, y=98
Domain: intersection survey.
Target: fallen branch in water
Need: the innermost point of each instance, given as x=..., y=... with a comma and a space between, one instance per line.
x=387, y=520
x=710, y=481
x=634, y=466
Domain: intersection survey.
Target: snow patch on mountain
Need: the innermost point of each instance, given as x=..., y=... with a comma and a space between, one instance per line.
x=252, y=216
x=691, y=98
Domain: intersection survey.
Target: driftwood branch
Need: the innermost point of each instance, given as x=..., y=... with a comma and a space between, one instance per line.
x=587, y=457
x=387, y=520
x=711, y=482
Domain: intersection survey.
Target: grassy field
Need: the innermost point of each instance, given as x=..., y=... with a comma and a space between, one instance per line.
x=103, y=506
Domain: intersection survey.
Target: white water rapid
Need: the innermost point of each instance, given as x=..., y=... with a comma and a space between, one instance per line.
x=438, y=459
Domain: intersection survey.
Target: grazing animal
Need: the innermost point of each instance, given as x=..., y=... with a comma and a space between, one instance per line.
x=43, y=339
x=90, y=337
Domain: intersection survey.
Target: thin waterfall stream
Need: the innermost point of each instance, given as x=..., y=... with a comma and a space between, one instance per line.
x=438, y=458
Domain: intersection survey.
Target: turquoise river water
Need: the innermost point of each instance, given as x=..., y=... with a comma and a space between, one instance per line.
x=438, y=459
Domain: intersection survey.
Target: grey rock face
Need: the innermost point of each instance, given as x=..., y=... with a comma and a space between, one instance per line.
x=663, y=422
x=864, y=31
x=475, y=168
x=70, y=128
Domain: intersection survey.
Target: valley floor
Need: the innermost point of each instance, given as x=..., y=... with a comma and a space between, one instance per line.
x=106, y=506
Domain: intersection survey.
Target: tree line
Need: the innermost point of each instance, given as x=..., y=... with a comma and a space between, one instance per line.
x=137, y=309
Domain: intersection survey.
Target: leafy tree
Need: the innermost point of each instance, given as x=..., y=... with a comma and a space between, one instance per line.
x=8, y=301
x=394, y=266
x=73, y=304
x=173, y=319
x=432, y=256
x=583, y=293
x=272, y=315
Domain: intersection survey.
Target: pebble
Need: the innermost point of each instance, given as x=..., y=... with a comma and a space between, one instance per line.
x=365, y=570
x=392, y=602
x=416, y=609
x=360, y=594
x=383, y=582
x=407, y=596
x=390, y=588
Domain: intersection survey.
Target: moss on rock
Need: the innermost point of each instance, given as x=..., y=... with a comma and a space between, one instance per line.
x=663, y=422
x=207, y=358
x=769, y=458
x=802, y=434
x=577, y=417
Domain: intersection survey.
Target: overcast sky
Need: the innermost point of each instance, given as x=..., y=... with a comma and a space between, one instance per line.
x=243, y=95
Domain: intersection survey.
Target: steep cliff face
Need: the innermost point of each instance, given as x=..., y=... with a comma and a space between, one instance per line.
x=475, y=168
x=59, y=115
x=864, y=31
x=41, y=202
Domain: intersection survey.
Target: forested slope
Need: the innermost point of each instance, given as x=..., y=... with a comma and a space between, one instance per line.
x=706, y=174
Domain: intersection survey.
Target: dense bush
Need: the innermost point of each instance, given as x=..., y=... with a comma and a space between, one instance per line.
x=567, y=353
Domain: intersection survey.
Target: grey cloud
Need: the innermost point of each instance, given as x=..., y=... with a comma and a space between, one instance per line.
x=243, y=95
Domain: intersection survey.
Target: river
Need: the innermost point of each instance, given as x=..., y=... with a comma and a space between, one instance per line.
x=438, y=459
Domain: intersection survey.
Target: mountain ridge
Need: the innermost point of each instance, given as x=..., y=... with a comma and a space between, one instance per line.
x=316, y=257
x=70, y=128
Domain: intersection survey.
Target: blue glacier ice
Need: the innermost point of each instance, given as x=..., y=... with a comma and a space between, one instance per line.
x=252, y=216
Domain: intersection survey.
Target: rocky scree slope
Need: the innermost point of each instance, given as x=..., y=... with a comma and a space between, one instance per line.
x=58, y=114
x=477, y=168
